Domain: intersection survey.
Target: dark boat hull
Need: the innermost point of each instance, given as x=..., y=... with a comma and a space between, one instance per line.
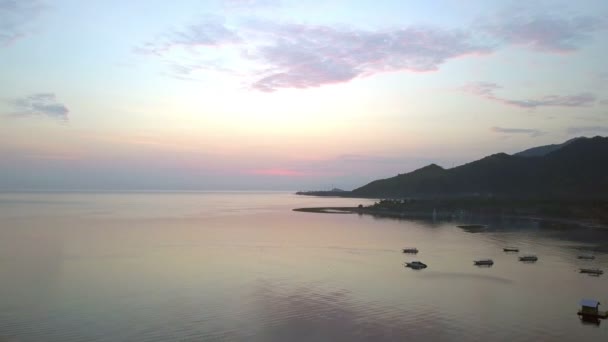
x=600, y=314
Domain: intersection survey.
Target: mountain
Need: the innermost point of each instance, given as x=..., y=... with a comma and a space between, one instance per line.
x=544, y=150
x=577, y=168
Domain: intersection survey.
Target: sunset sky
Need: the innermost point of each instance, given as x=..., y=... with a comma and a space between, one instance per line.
x=287, y=95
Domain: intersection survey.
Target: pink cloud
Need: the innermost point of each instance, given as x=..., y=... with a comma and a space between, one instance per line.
x=297, y=55
x=306, y=56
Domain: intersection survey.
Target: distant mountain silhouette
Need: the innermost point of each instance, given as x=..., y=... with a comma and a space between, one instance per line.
x=544, y=150
x=577, y=169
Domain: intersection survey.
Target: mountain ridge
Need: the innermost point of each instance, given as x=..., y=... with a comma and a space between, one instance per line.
x=540, y=151
x=576, y=168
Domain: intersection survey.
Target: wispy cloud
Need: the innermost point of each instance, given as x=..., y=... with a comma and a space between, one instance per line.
x=602, y=77
x=300, y=55
x=250, y=4
x=588, y=130
x=363, y=158
x=577, y=100
x=527, y=131
x=545, y=31
x=487, y=91
x=208, y=32
x=41, y=104
x=276, y=172
x=15, y=18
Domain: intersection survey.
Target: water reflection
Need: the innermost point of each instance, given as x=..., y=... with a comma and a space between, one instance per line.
x=244, y=267
x=454, y=276
x=313, y=313
x=593, y=321
x=580, y=239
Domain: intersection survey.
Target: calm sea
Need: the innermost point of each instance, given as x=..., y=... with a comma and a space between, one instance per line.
x=241, y=266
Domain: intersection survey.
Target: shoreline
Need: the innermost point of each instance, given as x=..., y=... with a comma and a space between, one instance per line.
x=443, y=215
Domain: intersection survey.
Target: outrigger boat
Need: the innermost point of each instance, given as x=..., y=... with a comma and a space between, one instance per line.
x=416, y=265
x=590, y=309
x=528, y=258
x=511, y=249
x=484, y=262
x=592, y=271
x=410, y=250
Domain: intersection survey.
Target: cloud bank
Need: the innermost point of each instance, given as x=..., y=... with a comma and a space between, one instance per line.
x=304, y=56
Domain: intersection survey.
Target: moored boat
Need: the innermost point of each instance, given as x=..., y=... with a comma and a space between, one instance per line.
x=410, y=250
x=586, y=257
x=592, y=271
x=529, y=258
x=417, y=265
x=472, y=226
x=510, y=249
x=590, y=309
x=484, y=262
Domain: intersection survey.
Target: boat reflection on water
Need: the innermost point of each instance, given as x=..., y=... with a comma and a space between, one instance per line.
x=473, y=228
x=590, y=320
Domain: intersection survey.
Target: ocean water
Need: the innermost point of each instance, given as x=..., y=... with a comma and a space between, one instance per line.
x=244, y=267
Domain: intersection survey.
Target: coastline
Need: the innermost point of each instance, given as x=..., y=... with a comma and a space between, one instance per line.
x=444, y=215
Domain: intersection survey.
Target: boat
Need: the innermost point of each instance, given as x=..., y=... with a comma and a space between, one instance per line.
x=529, y=258
x=472, y=226
x=586, y=257
x=592, y=271
x=416, y=265
x=484, y=262
x=410, y=250
x=510, y=249
x=590, y=309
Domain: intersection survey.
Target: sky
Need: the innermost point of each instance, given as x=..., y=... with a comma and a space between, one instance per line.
x=287, y=95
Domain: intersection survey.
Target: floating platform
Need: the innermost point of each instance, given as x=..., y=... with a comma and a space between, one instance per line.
x=590, y=310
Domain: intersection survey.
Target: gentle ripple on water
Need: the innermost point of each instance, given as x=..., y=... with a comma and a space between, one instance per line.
x=168, y=267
